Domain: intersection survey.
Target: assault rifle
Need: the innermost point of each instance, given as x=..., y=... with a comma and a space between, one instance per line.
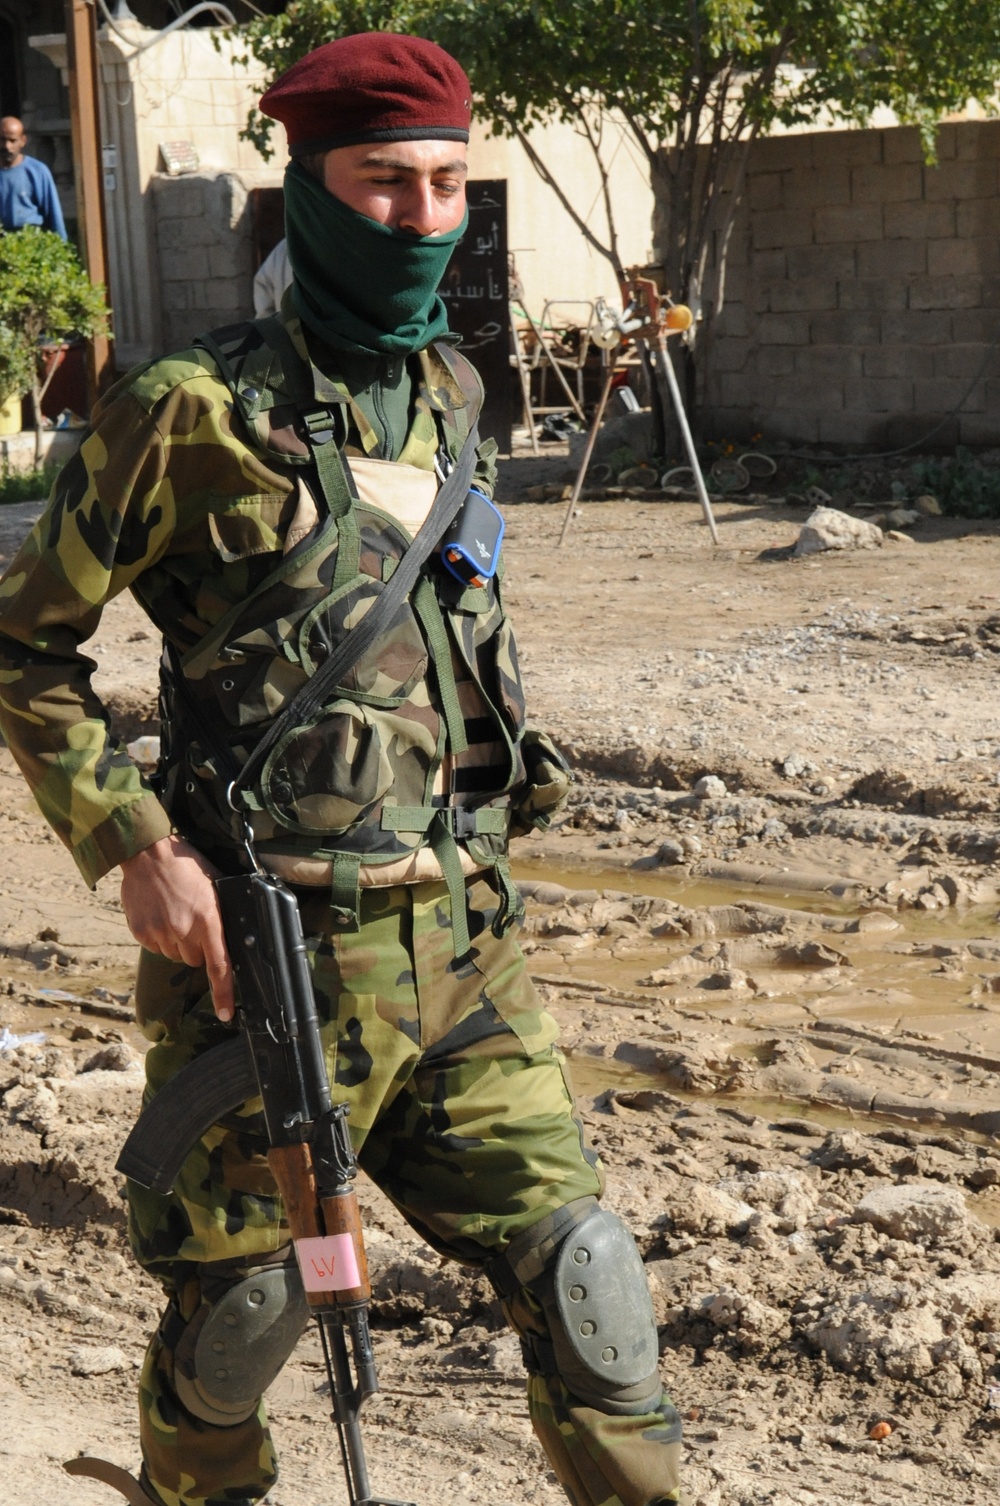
x=278, y=1055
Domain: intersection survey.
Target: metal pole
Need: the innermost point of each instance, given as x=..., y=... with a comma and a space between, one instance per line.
x=591, y=441
x=88, y=171
x=523, y=373
x=666, y=367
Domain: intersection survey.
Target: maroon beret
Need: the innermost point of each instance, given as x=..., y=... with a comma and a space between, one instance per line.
x=374, y=86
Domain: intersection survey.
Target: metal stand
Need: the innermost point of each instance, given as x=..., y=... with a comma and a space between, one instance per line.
x=666, y=368
x=591, y=441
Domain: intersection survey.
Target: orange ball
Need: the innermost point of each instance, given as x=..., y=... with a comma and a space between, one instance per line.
x=679, y=316
x=880, y=1430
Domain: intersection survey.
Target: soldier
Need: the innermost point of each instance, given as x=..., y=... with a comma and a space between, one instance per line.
x=254, y=492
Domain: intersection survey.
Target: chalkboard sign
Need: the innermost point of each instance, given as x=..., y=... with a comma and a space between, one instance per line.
x=475, y=292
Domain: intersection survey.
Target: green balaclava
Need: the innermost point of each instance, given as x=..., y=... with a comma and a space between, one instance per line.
x=361, y=286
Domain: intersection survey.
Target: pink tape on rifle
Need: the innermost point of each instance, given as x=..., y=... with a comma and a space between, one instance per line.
x=328, y=1263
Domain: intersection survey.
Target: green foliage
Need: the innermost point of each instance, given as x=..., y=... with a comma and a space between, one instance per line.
x=17, y=364
x=657, y=60
x=44, y=291
x=964, y=487
x=44, y=294
x=26, y=486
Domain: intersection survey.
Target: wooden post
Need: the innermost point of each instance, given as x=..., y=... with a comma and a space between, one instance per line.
x=88, y=172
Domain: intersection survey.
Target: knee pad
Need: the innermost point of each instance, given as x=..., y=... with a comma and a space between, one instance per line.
x=238, y=1341
x=592, y=1290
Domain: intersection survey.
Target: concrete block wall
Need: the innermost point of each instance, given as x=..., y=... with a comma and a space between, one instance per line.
x=204, y=241
x=863, y=292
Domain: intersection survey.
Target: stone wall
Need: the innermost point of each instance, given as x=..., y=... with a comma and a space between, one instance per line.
x=863, y=292
x=205, y=245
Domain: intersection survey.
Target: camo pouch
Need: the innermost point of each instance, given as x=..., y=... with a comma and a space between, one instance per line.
x=546, y=788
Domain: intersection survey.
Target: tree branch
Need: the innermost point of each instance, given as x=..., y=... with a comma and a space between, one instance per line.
x=574, y=214
x=595, y=146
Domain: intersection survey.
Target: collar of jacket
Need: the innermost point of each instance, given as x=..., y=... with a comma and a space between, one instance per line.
x=438, y=384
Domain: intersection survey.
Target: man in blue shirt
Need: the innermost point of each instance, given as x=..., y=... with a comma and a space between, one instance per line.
x=27, y=189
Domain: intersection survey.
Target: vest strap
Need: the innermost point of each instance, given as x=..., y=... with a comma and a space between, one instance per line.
x=511, y=907
x=445, y=849
x=490, y=820
x=345, y=891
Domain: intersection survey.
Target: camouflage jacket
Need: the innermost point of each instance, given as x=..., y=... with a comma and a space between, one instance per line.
x=187, y=502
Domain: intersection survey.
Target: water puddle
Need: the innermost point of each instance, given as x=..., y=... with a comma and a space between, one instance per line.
x=909, y=1002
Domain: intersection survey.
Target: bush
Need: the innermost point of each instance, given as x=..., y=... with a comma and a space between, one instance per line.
x=964, y=487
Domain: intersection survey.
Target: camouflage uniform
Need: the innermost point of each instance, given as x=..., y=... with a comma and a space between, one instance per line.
x=171, y=497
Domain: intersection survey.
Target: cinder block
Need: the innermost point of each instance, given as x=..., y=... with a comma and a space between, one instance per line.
x=963, y=258
x=797, y=392
x=919, y=430
x=733, y=321
x=978, y=429
x=916, y=327
x=918, y=220
x=794, y=294
x=946, y=393
x=880, y=395
x=961, y=180
x=850, y=428
x=821, y=261
x=872, y=293
x=849, y=222
x=978, y=138
x=764, y=191
x=729, y=423
x=946, y=142
x=179, y=198
x=174, y=296
x=776, y=360
x=886, y=184
x=847, y=148
x=783, y=329
x=780, y=227
x=795, y=427
x=978, y=217
x=991, y=292
x=774, y=154
x=742, y=389
x=836, y=363
x=230, y=260
x=946, y=293
x=902, y=144
x=181, y=235
x=892, y=258
x=967, y=361
x=971, y=326
x=899, y=361
x=768, y=263
x=190, y=264
x=993, y=397
x=811, y=187
x=730, y=355
x=845, y=328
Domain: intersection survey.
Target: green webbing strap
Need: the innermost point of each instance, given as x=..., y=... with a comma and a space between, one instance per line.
x=330, y=467
x=491, y=820
x=345, y=891
x=426, y=607
x=511, y=905
x=445, y=849
x=339, y=492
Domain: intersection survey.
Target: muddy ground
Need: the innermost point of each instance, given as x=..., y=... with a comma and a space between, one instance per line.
x=767, y=925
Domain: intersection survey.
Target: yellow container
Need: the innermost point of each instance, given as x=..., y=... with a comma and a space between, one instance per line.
x=10, y=416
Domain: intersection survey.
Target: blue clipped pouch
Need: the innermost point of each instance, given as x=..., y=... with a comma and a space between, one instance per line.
x=471, y=546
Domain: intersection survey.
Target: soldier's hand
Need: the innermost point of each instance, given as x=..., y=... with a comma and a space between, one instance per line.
x=171, y=908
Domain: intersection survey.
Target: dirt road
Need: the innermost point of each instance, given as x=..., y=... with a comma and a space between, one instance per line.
x=767, y=925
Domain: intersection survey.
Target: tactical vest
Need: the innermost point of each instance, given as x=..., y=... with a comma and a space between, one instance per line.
x=420, y=746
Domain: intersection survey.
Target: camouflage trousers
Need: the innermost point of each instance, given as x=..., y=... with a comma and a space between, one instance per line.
x=459, y=1111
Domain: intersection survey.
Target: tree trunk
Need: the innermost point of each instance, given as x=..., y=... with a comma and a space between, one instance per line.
x=36, y=413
